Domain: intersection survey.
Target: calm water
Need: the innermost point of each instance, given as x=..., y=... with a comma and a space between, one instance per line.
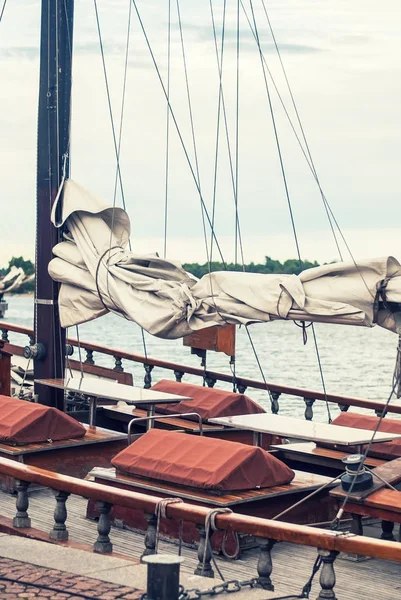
x=356, y=361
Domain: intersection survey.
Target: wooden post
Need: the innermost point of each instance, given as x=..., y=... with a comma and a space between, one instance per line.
x=327, y=575
x=59, y=531
x=274, y=402
x=204, y=568
x=103, y=544
x=265, y=564
x=22, y=519
x=53, y=148
x=387, y=531
x=5, y=371
x=309, y=408
x=150, y=536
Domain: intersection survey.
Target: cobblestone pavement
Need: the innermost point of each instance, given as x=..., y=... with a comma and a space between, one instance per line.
x=24, y=581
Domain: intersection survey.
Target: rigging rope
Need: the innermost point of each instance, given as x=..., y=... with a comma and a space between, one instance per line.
x=123, y=101
x=220, y=99
x=302, y=130
x=109, y=104
x=340, y=512
x=237, y=236
x=180, y=137
x=117, y=145
x=222, y=108
x=286, y=188
x=192, y=127
x=167, y=128
x=2, y=10
x=306, y=153
x=259, y=365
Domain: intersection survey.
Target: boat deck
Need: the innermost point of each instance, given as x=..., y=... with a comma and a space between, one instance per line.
x=292, y=564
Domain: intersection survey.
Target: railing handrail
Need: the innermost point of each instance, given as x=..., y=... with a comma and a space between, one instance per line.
x=376, y=405
x=265, y=528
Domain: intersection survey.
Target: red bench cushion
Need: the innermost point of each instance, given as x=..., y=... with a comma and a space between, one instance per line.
x=207, y=402
x=386, y=450
x=23, y=422
x=200, y=462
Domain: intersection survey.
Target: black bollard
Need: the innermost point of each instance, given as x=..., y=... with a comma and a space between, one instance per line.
x=163, y=576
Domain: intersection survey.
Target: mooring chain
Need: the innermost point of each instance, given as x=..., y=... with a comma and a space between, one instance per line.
x=234, y=585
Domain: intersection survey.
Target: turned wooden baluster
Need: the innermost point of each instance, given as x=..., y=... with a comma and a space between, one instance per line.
x=59, y=531
x=179, y=375
x=103, y=544
x=148, y=376
x=4, y=335
x=210, y=381
x=265, y=564
x=274, y=402
x=204, y=567
x=89, y=358
x=387, y=531
x=343, y=407
x=356, y=525
x=241, y=387
x=309, y=402
x=327, y=575
x=22, y=519
x=150, y=536
x=118, y=364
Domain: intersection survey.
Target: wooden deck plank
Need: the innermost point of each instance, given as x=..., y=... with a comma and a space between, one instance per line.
x=292, y=565
x=390, y=471
x=310, y=453
x=93, y=435
x=302, y=482
x=291, y=427
x=128, y=412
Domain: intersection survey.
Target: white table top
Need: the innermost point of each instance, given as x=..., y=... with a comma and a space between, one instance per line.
x=100, y=388
x=303, y=430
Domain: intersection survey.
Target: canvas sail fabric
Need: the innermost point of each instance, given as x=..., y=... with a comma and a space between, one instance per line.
x=208, y=402
x=99, y=273
x=23, y=422
x=200, y=462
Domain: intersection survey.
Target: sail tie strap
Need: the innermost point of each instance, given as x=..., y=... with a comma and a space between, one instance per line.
x=99, y=293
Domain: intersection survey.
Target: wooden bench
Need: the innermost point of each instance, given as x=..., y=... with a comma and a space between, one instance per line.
x=123, y=415
x=75, y=457
x=98, y=389
x=308, y=453
x=378, y=501
x=126, y=413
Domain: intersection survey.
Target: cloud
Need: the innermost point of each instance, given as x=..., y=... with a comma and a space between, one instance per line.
x=204, y=33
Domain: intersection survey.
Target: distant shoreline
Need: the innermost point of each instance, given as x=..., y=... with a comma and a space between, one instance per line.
x=22, y=295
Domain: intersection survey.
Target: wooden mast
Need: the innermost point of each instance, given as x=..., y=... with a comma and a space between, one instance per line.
x=53, y=146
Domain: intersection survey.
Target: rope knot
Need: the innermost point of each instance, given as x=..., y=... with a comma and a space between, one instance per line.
x=210, y=521
x=161, y=513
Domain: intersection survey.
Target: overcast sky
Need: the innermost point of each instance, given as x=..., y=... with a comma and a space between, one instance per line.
x=343, y=60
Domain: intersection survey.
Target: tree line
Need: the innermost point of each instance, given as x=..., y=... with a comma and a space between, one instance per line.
x=290, y=266
x=29, y=269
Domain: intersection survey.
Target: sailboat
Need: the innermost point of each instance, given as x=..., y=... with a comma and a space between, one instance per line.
x=11, y=282
x=94, y=245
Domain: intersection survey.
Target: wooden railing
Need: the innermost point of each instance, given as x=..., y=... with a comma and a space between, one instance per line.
x=267, y=532
x=241, y=384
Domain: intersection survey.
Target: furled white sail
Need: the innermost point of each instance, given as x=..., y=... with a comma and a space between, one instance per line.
x=99, y=273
